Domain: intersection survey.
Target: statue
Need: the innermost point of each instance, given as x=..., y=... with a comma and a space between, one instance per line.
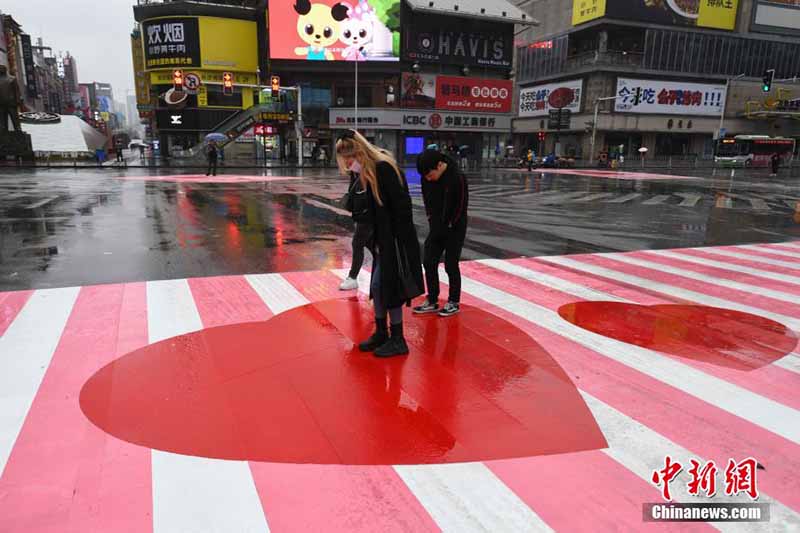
x=9, y=100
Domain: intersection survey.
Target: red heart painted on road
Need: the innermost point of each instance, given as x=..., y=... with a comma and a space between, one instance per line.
x=294, y=389
x=718, y=336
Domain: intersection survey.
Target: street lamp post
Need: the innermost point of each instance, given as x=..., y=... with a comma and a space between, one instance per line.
x=594, y=122
x=724, y=102
x=355, y=126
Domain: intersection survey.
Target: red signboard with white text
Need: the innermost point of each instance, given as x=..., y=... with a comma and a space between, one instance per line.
x=473, y=94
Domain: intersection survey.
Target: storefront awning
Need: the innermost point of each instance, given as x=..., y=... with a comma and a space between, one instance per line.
x=496, y=10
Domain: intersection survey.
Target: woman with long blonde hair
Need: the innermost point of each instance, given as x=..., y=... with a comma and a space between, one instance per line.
x=397, y=267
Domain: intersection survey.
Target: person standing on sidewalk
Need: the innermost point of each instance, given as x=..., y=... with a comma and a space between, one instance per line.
x=363, y=235
x=775, y=163
x=212, y=153
x=397, y=270
x=446, y=196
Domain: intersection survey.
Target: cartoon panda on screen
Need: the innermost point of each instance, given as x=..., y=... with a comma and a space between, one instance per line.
x=318, y=25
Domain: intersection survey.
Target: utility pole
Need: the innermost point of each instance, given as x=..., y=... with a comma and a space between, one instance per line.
x=724, y=103
x=594, y=122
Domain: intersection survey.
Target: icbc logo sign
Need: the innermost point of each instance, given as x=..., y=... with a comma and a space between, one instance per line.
x=435, y=121
x=416, y=120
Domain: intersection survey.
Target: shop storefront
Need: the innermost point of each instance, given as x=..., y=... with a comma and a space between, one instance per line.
x=406, y=132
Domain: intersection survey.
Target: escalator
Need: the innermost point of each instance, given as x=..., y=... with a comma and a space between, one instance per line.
x=232, y=127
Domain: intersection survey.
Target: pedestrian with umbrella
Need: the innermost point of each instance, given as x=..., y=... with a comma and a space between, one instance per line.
x=211, y=154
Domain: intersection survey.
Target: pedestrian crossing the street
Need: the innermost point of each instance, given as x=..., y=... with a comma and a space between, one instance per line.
x=699, y=361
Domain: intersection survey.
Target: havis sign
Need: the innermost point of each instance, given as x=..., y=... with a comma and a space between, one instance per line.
x=474, y=94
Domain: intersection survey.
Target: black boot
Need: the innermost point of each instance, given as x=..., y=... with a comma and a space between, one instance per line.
x=394, y=346
x=378, y=338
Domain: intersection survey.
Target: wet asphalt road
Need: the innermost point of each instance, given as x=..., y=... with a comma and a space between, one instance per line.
x=66, y=227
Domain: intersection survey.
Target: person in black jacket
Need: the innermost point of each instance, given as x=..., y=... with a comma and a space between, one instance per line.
x=362, y=236
x=446, y=196
x=211, y=153
x=397, y=269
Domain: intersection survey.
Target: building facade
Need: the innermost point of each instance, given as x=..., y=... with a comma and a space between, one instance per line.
x=661, y=76
x=386, y=67
x=203, y=41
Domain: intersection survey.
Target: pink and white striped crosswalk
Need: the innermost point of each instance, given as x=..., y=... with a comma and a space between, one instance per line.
x=62, y=473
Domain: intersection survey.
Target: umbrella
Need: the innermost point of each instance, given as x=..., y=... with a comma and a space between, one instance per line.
x=218, y=137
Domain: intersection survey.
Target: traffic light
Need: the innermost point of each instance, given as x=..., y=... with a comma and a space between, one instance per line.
x=766, y=84
x=276, y=87
x=541, y=135
x=177, y=79
x=227, y=83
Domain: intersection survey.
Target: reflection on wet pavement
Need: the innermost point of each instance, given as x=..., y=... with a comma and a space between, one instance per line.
x=64, y=228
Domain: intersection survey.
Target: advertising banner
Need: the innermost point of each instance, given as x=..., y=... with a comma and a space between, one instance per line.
x=228, y=44
x=418, y=90
x=535, y=101
x=30, y=70
x=473, y=94
x=329, y=30
x=668, y=97
x=777, y=16
x=471, y=42
x=85, y=102
x=171, y=42
x=720, y=14
x=142, y=84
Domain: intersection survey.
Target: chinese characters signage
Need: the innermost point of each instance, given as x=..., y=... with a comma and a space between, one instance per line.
x=473, y=94
x=408, y=119
x=472, y=42
x=171, y=42
x=30, y=71
x=668, y=97
x=455, y=93
x=720, y=14
x=586, y=10
x=533, y=101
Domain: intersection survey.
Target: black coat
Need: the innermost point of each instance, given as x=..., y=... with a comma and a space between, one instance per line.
x=446, y=200
x=394, y=222
x=357, y=203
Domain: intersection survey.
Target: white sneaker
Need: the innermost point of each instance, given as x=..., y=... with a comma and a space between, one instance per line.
x=348, y=284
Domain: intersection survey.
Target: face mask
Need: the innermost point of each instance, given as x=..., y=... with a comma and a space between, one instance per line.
x=355, y=167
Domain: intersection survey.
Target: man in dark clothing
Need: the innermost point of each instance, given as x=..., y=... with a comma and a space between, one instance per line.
x=119, y=147
x=446, y=196
x=212, y=159
x=775, y=163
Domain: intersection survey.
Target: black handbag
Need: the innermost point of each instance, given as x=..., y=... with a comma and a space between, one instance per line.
x=408, y=284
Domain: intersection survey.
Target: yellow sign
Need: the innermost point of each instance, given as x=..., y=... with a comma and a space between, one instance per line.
x=202, y=96
x=224, y=44
x=142, y=85
x=274, y=116
x=586, y=10
x=720, y=15
x=228, y=44
x=164, y=77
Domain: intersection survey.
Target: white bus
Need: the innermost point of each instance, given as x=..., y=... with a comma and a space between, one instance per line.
x=753, y=150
